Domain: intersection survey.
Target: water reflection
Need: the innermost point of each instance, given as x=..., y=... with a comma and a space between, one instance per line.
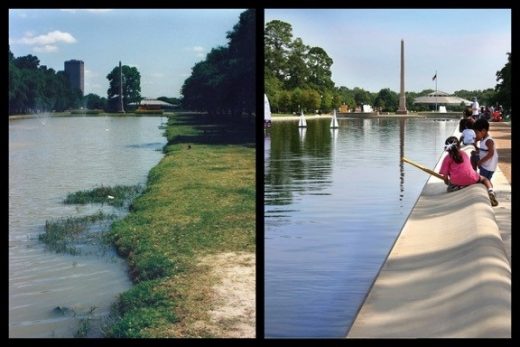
x=402, y=123
x=297, y=156
x=333, y=207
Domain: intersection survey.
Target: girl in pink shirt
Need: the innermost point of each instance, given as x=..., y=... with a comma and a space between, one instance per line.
x=457, y=170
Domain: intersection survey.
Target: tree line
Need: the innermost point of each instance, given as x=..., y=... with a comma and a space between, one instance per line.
x=35, y=88
x=297, y=78
x=224, y=83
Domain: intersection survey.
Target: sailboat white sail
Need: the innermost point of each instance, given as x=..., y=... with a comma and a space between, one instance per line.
x=302, y=123
x=302, y=130
x=334, y=121
x=267, y=112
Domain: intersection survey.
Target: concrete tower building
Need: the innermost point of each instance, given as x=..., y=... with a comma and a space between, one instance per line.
x=74, y=69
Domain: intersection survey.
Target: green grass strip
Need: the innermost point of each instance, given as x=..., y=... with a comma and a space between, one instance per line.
x=201, y=198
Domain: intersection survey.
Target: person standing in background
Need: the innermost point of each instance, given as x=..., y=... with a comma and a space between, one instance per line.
x=475, y=108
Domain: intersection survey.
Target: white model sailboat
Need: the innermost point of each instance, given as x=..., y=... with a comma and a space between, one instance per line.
x=302, y=123
x=267, y=112
x=334, y=121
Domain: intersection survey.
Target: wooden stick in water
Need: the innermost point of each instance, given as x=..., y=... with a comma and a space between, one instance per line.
x=425, y=169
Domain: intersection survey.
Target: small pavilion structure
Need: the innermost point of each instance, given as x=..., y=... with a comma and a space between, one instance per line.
x=441, y=98
x=152, y=105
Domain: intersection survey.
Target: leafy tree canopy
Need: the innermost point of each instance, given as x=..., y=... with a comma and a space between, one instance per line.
x=131, y=85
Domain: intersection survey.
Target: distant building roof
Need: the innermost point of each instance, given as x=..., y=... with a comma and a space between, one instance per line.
x=153, y=102
x=440, y=97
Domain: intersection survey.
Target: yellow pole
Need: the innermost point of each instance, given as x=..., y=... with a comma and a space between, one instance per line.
x=425, y=169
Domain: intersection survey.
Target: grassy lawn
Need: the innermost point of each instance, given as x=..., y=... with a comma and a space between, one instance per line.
x=200, y=199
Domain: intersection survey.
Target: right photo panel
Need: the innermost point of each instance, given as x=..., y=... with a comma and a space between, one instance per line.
x=387, y=173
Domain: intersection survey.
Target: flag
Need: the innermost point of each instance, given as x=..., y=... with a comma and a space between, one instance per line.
x=434, y=77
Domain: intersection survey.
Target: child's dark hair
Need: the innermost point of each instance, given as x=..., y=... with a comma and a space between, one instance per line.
x=466, y=123
x=462, y=125
x=452, y=147
x=481, y=124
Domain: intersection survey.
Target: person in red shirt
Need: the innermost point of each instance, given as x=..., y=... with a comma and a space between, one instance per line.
x=457, y=170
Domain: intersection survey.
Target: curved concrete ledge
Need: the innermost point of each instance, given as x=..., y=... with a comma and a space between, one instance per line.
x=447, y=274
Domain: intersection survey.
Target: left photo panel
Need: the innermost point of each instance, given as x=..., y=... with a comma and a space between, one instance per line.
x=132, y=173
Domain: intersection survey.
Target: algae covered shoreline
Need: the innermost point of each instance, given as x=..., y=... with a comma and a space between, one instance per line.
x=199, y=200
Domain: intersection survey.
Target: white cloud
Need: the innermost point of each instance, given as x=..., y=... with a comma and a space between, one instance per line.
x=200, y=52
x=157, y=75
x=50, y=38
x=45, y=49
x=90, y=74
x=95, y=82
x=45, y=43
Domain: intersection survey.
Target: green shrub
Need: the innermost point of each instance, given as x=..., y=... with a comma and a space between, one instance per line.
x=61, y=233
x=142, y=295
x=134, y=322
x=151, y=266
x=115, y=196
x=143, y=306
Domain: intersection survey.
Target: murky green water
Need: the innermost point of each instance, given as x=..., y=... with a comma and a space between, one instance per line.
x=49, y=158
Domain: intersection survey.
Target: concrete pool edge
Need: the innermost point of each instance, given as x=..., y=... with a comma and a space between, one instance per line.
x=448, y=273
x=366, y=115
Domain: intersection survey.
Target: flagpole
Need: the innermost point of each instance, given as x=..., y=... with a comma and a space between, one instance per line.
x=435, y=90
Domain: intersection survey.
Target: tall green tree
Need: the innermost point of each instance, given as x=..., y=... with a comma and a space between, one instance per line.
x=95, y=102
x=503, y=88
x=327, y=99
x=35, y=88
x=297, y=71
x=278, y=44
x=208, y=85
x=224, y=83
x=319, y=63
x=29, y=62
x=284, y=101
x=387, y=100
x=362, y=97
x=242, y=64
x=131, y=86
x=345, y=96
x=311, y=101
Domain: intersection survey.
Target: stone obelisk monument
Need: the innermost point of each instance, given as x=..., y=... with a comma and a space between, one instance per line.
x=402, y=97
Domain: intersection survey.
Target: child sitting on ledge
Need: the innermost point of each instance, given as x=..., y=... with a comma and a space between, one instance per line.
x=458, y=172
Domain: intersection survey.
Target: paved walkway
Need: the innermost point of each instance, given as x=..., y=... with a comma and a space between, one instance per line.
x=449, y=272
x=501, y=133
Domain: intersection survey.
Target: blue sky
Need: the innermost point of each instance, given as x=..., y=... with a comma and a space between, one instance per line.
x=162, y=44
x=465, y=46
